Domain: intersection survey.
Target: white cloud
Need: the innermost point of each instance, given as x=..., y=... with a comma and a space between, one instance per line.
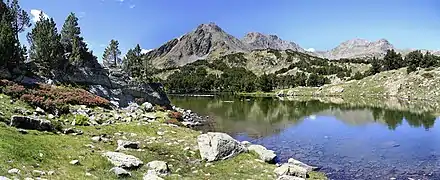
x=144, y=51
x=310, y=50
x=81, y=14
x=132, y=6
x=36, y=15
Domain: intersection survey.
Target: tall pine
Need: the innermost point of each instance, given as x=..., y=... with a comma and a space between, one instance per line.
x=111, y=56
x=72, y=41
x=45, y=47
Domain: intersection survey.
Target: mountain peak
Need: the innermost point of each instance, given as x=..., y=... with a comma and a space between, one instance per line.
x=209, y=27
x=262, y=41
x=357, y=48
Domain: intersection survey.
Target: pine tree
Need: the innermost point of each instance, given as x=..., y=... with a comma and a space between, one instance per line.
x=375, y=67
x=7, y=42
x=413, y=60
x=111, y=55
x=265, y=83
x=72, y=41
x=20, y=18
x=392, y=60
x=45, y=47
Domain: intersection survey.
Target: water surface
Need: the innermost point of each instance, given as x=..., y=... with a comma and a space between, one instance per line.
x=347, y=140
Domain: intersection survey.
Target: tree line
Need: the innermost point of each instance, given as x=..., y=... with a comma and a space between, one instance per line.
x=51, y=50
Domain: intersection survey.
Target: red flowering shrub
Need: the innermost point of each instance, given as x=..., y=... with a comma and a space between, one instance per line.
x=176, y=115
x=52, y=98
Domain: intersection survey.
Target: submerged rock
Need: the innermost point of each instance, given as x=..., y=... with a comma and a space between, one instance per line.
x=215, y=146
x=123, y=160
x=264, y=154
x=32, y=123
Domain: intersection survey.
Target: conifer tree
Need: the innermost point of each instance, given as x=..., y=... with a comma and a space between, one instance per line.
x=45, y=47
x=111, y=55
x=71, y=39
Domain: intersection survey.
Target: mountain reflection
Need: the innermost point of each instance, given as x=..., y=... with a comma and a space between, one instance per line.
x=259, y=117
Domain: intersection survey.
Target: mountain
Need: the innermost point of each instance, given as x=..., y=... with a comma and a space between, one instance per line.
x=358, y=48
x=258, y=40
x=205, y=40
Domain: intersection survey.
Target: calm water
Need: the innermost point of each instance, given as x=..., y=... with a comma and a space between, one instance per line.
x=347, y=141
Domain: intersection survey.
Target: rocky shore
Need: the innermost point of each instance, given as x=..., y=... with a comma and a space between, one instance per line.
x=139, y=141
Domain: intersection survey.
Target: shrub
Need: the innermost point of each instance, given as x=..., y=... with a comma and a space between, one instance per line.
x=176, y=115
x=52, y=98
x=81, y=120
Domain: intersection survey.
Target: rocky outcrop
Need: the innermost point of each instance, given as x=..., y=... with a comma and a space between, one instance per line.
x=27, y=122
x=123, y=160
x=258, y=40
x=116, y=86
x=215, y=146
x=205, y=40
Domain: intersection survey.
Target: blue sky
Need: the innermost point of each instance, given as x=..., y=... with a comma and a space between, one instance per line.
x=318, y=24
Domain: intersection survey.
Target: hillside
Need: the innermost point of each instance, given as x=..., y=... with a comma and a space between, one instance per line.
x=418, y=85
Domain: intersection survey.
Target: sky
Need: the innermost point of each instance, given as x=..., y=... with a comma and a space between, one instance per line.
x=317, y=24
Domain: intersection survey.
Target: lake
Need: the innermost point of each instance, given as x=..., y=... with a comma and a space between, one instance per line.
x=356, y=139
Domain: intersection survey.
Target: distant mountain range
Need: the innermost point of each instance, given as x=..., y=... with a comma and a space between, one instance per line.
x=209, y=40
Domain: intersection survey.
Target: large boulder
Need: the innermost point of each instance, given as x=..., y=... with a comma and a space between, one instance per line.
x=215, y=146
x=264, y=154
x=26, y=122
x=123, y=160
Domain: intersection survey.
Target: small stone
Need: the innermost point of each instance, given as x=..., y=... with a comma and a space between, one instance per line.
x=50, y=116
x=50, y=173
x=96, y=138
x=38, y=173
x=160, y=167
x=120, y=172
x=88, y=174
x=160, y=133
x=22, y=131
x=14, y=171
x=4, y=178
x=151, y=176
x=40, y=111
x=74, y=162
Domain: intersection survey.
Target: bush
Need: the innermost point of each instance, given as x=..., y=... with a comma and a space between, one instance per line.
x=81, y=120
x=176, y=115
x=52, y=98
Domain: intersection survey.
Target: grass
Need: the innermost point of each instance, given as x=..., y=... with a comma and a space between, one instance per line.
x=53, y=151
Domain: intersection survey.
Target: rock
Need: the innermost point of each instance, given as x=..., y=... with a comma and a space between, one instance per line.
x=50, y=173
x=215, y=146
x=72, y=131
x=132, y=107
x=4, y=178
x=159, y=167
x=301, y=164
x=122, y=144
x=286, y=177
x=336, y=89
x=265, y=155
x=26, y=122
x=96, y=138
x=160, y=133
x=245, y=143
x=123, y=160
x=74, y=162
x=50, y=116
x=38, y=173
x=291, y=170
x=22, y=131
x=147, y=107
x=40, y=111
x=151, y=176
x=14, y=171
x=120, y=172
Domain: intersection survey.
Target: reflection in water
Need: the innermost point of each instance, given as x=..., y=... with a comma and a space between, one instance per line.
x=348, y=140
